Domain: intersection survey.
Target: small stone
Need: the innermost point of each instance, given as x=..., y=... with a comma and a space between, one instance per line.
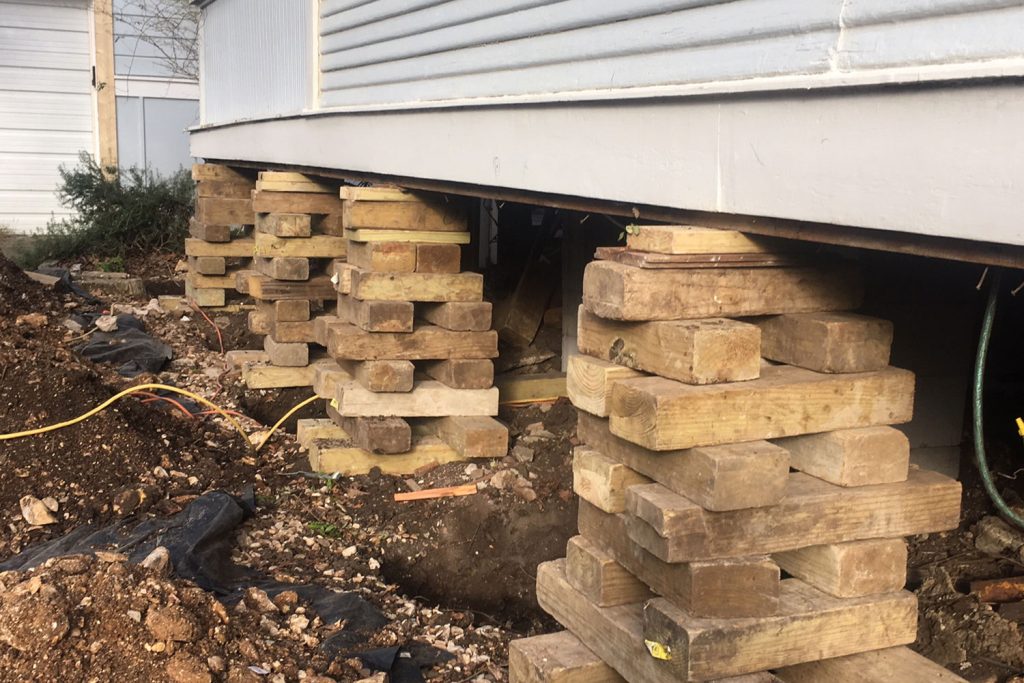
x=503, y=479
x=373, y=564
x=379, y=677
x=110, y=558
x=158, y=647
x=35, y=512
x=106, y=323
x=216, y=664
x=286, y=601
x=527, y=494
x=186, y=668
x=95, y=646
x=172, y=623
x=522, y=453
x=51, y=503
x=33, y=320
x=181, y=266
x=533, y=427
x=160, y=472
x=135, y=615
x=258, y=600
x=158, y=561
x=349, y=551
x=471, y=469
x=298, y=622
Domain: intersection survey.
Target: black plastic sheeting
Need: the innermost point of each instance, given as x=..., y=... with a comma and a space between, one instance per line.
x=129, y=347
x=199, y=542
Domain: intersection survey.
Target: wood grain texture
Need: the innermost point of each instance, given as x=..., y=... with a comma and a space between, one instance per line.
x=376, y=316
x=428, y=398
x=460, y=316
x=383, y=257
x=438, y=258
x=588, y=381
x=432, y=287
x=425, y=342
x=849, y=570
x=600, y=481
x=295, y=202
x=556, y=658
x=268, y=289
x=461, y=373
x=334, y=456
x=827, y=342
x=381, y=375
x=891, y=665
x=223, y=211
x=291, y=268
x=238, y=248
x=317, y=246
x=851, y=457
x=599, y=577
x=284, y=224
x=419, y=236
x=404, y=215
x=292, y=355
x=473, y=436
x=693, y=239
x=383, y=435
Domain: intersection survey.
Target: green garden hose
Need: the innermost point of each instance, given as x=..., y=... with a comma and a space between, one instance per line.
x=977, y=404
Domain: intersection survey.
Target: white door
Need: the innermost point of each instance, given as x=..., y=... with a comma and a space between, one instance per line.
x=46, y=104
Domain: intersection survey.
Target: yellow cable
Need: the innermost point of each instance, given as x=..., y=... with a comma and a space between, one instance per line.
x=282, y=420
x=132, y=390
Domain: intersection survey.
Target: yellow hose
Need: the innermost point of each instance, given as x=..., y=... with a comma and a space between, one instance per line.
x=283, y=418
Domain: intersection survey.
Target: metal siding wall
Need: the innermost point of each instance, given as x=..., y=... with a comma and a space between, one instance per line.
x=151, y=131
x=258, y=59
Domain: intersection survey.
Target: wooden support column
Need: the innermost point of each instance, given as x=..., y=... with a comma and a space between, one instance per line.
x=106, y=100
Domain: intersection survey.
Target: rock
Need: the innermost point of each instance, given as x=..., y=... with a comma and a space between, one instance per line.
x=522, y=453
x=109, y=557
x=349, y=551
x=996, y=537
x=51, y=503
x=73, y=326
x=526, y=493
x=172, y=623
x=158, y=561
x=286, y=601
x=186, y=668
x=259, y=601
x=33, y=320
x=298, y=622
x=35, y=512
x=135, y=615
x=379, y=677
x=373, y=564
x=106, y=323
x=181, y=266
x=216, y=664
x=127, y=501
x=34, y=617
x=503, y=479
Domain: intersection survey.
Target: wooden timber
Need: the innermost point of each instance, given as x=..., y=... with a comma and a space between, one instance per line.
x=556, y=658
x=428, y=398
x=284, y=224
x=419, y=236
x=317, y=246
x=644, y=259
x=849, y=570
x=237, y=248
x=459, y=316
x=425, y=342
x=693, y=239
x=295, y=202
x=416, y=286
x=472, y=436
x=381, y=375
x=601, y=481
x=333, y=456
x=851, y=457
x=599, y=577
x=376, y=316
x=588, y=382
x=891, y=665
x=461, y=373
x=268, y=289
x=827, y=342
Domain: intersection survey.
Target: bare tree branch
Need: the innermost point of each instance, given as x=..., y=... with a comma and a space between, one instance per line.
x=170, y=28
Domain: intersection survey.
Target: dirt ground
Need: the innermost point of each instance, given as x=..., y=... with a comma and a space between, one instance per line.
x=455, y=574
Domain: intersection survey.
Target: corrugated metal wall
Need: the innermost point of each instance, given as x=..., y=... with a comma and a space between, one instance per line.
x=405, y=51
x=258, y=58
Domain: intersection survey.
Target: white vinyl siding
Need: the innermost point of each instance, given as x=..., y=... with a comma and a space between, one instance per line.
x=46, y=104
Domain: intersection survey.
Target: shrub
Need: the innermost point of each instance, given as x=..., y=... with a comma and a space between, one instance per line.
x=118, y=213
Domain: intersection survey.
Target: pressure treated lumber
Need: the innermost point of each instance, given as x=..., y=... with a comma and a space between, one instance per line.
x=812, y=512
x=202, y=172
x=308, y=429
x=291, y=310
x=376, y=316
x=646, y=259
x=274, y=377
x=615, y=632
x=438, y=258
x=317, y=246
x=224, y=189
x=461, y=316
x=238, y=248
x=416, y=286
x=619, y=292
x=556, y=658
x=285, y=224
x=268, y=289
x=849, y=570
x=204, y=297
x=588, y=382
x=692, y=239
x=851, y=457
x=222, y=211
x=662, y=414
x=599, y=577
x=404, y=215
x=601, y=481
x=827, y=342
x=208, y=233
x=461, y=373
x=891, y=665
x=210, y=281
x=295, y=202
x=473, y=436
x=693, y=351
x=810, y=626
x=293, y=268
x=379, y=194
x=291, y=355
x=285, y=332
x=546, y=386
x=282, y=181
x=326, y=378
x=423, y=343
x=419, y=236
x=383, y=257
x=742, y=586
x=207, y=265
x=383, y=435
x=260, y=321
x=428, y=398
x=332, y=456
x=381, y=375
x=719, y=478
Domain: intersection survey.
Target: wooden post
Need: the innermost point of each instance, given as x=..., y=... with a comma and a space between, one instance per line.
x=106, y=100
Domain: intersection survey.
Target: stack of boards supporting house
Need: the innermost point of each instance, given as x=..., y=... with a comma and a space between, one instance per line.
x=689, y=515
x=220, y=244
x=410, y=376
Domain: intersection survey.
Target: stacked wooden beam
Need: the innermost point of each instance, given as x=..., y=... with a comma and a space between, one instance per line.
x=219, y=246
x=411, y=339
x=689, y=515
x=298, y=238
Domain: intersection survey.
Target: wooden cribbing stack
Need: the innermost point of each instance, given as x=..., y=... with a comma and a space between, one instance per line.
x=412, y=378
x=220, y=243
x=713, y=364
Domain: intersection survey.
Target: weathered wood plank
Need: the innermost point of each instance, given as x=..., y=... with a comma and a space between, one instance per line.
x=827, y=342
x=208, y=265
x=438, y=258
x=461, y=373
x=383, y=257
x=619, y=292
x=268, y=289
x=416, y=286
x=460, y=316
x=209, y=233
x=421, y=236
x=813, y=512
x=891, y=665
x=404, y=215
x=384, y=435
x=292, y=332
x=693, y=351
x=202, y=172
x=662, y=414
x=601, y=481
x=428, y=398
x=291, y=310
x=333, y=456
x=221, y=211
x=295, y=202
x=599, y=577
x=326, y=378
x=473, y=436
x=274, y=377
x=646, y=259
x=849, y=570
x=693, y=239
x=317, y=246
x=546, y=386
x=291, y=268
x=376, y=316
x=425, y=342
x=588, y=381
x=291, y=355
x=284, y=224
x=238, y=248
x=381, y=375
x=851, y=457
x=556, y=658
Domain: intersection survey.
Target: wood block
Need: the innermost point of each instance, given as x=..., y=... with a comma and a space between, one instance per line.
x=307, y=430
x=518, y=317
x=692, y=239
x=727, y=477
x=284, y=224
x=292, y=268
x=891, y=665
x=220, y=211
x=198, y=281
x=404, y=215
x=381, y=375
x=546, y=386
x=461, y=316
x=295, y=202
x=327, y=377
x=238, y=248
x=202, y=172
x=341, y=275
x=438, y=258
x=276, y=377
x=376, y=316
x=268, y=289
x=473, y=436
x=556, y=658
x=417, y=286
x=620, y=292
x=291, y=310
x=615, y=632
x=280, y=181
x=812, y=512
x=597, y=575
x=602, y=482
x=227, y=189
x=384, y=435
x=727, y=588
x=260, y=322
x=588, y=381
x=427, y=342
x=851, y=457
x=663, y=414
x=461, y=373
x=317, y=246
x=204, y=297
x=850, y=570
x=207, y=265
x=810, y=626
x=383, y=257
x=420, y=236
x=827, y=342
x=209, y=233
x=295, y=332
x=286, y=355
x=332, y=456
x=427, y=399
x=237, y=358
x=647, y=259
x=380, y=193
x=692, y=351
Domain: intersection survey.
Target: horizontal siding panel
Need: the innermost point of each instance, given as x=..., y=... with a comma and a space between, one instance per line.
x=34, y=172
x=44, y=42
x=329, y=7
x=34, y=60
x=336, y=15
x=48, y=142
x=51, y=80
x=30, y=203
x=45, y=111
x=60, y=16
x=862, y=12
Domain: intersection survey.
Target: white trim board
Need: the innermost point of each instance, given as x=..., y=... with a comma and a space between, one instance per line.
x=945, y=161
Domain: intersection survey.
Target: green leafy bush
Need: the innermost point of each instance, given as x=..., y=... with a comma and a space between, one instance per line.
x=118, y=213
